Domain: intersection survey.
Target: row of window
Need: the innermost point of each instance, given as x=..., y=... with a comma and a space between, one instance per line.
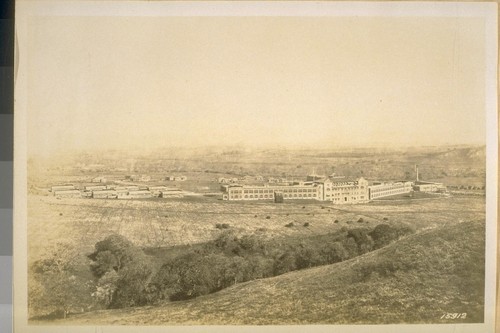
x=270, y=196
x=258, y=191
x=345, y=198
x=388, y=193
x=252, y=191
x=300, y=195
x=251, y=196
x=390, y=188
x=299, y=190
x=343, y=188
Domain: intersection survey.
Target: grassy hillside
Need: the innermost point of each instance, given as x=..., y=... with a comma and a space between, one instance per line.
x=414, y=280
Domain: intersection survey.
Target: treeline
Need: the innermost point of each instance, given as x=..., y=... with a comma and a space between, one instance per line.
x=130, y=279
x=121, y=275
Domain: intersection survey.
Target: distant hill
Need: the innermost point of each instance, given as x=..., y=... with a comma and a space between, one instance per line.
x=466, y=155
x=415, y=280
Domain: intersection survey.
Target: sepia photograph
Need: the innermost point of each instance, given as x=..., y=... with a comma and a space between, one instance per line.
x=274, y=166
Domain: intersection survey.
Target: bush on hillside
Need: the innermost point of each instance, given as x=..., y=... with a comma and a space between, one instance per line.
x=384, y=234
x=59, y=284
x=117, y=254
x=362, y=238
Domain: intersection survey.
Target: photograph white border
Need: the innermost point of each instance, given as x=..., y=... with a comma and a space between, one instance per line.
x=27, y=9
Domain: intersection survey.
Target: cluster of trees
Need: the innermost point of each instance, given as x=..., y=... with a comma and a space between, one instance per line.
x=231, y=259
x=59, y=284
x=120, y=274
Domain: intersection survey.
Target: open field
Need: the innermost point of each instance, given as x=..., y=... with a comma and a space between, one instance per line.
x=171, y=222
x=415, y=280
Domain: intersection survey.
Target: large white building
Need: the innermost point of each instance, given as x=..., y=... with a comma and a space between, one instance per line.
x=344, y=191
x=337, y=190
x=381, y=190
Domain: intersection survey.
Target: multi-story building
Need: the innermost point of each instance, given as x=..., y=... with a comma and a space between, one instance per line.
x=306, y=190
x=337, y=190
x=244, y=192
x=341, y=190
x=381, y=190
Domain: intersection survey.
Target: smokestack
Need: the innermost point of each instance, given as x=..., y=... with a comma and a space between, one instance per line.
x=416, y=170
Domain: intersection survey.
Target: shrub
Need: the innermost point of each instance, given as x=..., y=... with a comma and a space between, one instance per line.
x=336, y=221
x=289, y=225
x=306, y=224
x=362, y=238
x=60, y=284
x=285, y=263
x=360, y=220
x=118, y=254
x=227, y=242
x=222, y=226
x=333, y=252
x=384, y=234
x=351, y=247
x=308, y=256
x=268, y=217
x=252, y=244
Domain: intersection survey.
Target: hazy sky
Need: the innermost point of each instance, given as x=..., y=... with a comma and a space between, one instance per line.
x=150, y=81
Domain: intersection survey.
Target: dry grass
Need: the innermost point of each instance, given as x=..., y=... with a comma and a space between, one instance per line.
x=441, y=270
x=161, y=223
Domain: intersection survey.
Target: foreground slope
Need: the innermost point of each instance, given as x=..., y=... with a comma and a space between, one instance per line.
x=414, y=280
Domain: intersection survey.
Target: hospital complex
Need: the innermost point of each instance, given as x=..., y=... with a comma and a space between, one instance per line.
x=338, y=190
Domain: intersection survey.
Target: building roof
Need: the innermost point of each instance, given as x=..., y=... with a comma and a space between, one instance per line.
x=421, y=182
x=105, y=192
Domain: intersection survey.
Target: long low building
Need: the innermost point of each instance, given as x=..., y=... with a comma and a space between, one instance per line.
x=244, y=192
x=141, y=194
x=382, y=190
x=95, y=188
x=423, y=186
x=171, y=193
x=67, y=194
x=67, y=187
x=106, y=194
